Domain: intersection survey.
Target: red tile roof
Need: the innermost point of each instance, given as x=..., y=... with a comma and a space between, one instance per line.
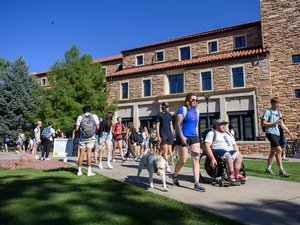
x=200, y=60
x=107, y=59
x=187, y=37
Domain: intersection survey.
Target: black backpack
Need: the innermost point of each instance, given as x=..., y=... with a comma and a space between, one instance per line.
x=31, y=135
x=88, y=126
x=134, y=136
x=204, y=134
x=140, y=138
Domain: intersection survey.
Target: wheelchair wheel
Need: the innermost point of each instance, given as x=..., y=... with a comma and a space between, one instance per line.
x=221, y=183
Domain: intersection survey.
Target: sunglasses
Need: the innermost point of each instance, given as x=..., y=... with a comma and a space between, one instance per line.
x=193, y=100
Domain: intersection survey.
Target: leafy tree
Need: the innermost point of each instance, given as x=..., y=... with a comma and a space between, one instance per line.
x=75, y=82
x=16, y=102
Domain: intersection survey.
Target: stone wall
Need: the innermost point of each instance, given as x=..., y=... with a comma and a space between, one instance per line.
x=198, y=46
x=281, y=35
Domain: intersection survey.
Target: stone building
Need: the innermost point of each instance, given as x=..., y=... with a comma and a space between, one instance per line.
x=234, y=71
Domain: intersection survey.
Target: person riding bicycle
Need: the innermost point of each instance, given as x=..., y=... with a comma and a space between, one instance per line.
x=220, y=143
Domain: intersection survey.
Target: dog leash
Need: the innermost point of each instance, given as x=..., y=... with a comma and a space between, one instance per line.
x=193, y=154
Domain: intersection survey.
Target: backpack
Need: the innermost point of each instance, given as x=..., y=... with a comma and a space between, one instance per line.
x=261, y=122
x=134, y=136
x=46, y=134
x=31, y=135
x=204, y=134
x=185, y=111
x=140, y=138
x=88, y=126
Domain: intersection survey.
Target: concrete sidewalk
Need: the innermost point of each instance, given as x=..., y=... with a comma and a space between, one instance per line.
x=259, y=201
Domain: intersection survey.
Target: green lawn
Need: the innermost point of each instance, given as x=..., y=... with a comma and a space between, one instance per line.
x=257, y=168
x=60, y=197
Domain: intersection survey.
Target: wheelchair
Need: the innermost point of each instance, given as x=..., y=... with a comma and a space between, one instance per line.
x=220, y=174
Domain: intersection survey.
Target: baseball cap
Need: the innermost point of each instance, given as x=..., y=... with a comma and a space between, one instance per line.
x=219, y=121
x=165, y=104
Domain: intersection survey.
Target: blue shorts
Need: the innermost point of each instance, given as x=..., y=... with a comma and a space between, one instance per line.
x=223, y=153
x=21, y=143
x=106, y=136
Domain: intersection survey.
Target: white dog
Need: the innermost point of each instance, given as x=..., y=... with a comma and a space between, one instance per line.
x=153, y=163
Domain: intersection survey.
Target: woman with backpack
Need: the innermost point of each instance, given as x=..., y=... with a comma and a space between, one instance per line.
x=105, y=139
x=187, y=121
x=118, y=130
x=132, y=137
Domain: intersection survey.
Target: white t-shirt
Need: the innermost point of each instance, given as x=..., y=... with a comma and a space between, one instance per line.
x=222, y=141
x=37, y=131
x=79, y=118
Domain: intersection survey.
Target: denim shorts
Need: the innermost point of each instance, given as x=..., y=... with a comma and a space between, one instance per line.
x=106, y=136
x=223, y=153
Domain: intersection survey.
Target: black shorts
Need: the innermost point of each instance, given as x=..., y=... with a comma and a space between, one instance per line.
x=152, y=141
x=117, y=139
x=167, y=139
x=190, y=140
x=274, y=140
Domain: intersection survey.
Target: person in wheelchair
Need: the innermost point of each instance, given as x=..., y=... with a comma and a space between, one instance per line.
x=220, y=143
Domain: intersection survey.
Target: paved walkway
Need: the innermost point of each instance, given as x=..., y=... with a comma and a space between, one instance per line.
x=259, y=201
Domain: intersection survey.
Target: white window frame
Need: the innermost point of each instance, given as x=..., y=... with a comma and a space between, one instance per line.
x=163, y=51
x=207, y=44
x=183, y=74
x=105, y=68
x=240, y=35
x=184, y=46
x=42, y=81
x=150, y=87
x=124, y=82
x=136, y=56
x=212, y=79
x=231, y=75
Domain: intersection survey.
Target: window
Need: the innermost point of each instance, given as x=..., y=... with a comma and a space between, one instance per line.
x=238, y=78
x=124, y=90
x=176, y=83
x=204, y=123
x=212, y=46
x=242, y=123
x=185, y=53
x=139, y=60
x=147, y=88
x=206, y=81
x=296, y=58
x=240, y=41
x=104, y=70
x=159, y=56
x=297, y=93
x=44, y=81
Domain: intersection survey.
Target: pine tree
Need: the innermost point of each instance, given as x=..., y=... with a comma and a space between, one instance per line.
x=75, y=82
x=16, y=100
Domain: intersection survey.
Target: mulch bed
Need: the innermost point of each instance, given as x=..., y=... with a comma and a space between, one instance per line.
x=29, y=161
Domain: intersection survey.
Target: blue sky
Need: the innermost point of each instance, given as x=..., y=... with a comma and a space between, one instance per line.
x=42, y=30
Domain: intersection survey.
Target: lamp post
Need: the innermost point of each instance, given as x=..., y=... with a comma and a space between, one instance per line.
x=207, y=96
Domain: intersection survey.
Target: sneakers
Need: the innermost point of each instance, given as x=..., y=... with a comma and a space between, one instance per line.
x=175, y=181
x=231, y=178
x=100, y=166
x=90, y=173
x=198, y=187
x=42, y=158
x=79, y=173
x=113, y=160
x=269, y=171
x=240, y=178
x=36, y=157
x=109, y=166
x=283, y=174
x=47, y=159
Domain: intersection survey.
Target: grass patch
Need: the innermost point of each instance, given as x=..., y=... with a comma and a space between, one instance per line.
x=60, y=197
x=256, y=167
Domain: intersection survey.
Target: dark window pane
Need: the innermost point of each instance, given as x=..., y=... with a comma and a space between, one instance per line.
x=147, y=87
x=140, y=60
x=185, y=53
x=238, y=77
x=297, y=93
x=296, y=58
x=206, y=81
x=240, y=42
x=213, y=46
x=176, y=83
x=159, y=56
x=124, y=90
